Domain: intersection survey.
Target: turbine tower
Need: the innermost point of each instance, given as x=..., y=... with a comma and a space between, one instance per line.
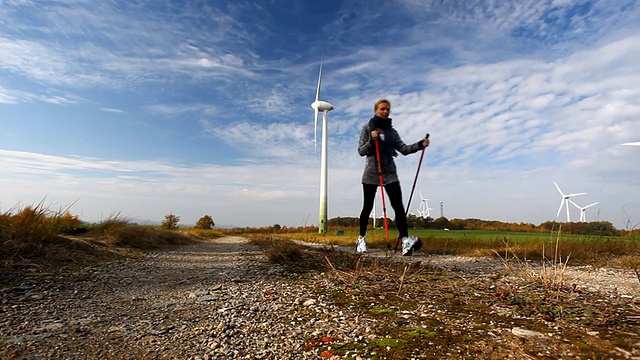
x=583, y=215
x=374, y=213
x=325, y=107
x=565, y=201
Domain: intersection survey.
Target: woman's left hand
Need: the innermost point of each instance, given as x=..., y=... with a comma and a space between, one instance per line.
x=425, y=142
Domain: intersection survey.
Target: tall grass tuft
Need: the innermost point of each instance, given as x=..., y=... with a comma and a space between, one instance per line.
x=24, y=231
x=278, y=250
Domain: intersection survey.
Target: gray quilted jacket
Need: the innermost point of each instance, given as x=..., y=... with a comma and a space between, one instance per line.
x=389, y=148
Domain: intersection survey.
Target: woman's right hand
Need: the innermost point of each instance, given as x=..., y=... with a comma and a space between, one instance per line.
x=374, y=134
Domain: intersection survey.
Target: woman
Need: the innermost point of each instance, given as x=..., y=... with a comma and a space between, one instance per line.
x=390, y=143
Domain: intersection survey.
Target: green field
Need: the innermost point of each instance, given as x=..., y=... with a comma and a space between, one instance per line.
x=469, y=235
x=591, y=249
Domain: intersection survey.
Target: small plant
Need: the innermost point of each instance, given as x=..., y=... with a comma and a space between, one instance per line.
x=279, y=250
x=284, y=251
x=170, y=222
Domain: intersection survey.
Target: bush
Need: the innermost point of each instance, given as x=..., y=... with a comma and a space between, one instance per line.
x=205, y=223
x=170, y=222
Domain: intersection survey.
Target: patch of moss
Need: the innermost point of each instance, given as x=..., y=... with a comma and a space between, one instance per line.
x=388, y=343
x=383, y=311
x=421, y=332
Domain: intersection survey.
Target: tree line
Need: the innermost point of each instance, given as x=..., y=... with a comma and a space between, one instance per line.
x=601, y=228
x=598, y=228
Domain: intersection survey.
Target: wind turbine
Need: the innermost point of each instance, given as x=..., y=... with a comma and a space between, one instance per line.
x=374, y=213
x=565, y=201
x=325, y=107
x=424, y=210
x=583, y=215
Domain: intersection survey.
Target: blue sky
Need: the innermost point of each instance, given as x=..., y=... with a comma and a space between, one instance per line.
x=146, y=108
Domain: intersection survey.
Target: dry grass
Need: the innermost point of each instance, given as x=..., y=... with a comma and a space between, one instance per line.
x=25, y=231
x=37, y=240
x=122, y=233
x=278, y=251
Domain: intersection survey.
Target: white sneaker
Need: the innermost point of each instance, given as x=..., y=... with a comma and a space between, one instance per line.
x=407, y=245
x=361, y=244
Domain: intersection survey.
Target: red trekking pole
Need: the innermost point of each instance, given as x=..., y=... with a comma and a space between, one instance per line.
x=384, y=207
x=415, y=180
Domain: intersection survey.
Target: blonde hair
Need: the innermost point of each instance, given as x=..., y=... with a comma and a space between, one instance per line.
x=375, y=107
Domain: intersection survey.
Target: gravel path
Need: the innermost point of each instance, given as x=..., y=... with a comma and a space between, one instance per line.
x=214, y=300
x=210, y=300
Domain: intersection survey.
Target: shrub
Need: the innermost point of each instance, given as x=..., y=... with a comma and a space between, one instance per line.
x=170, y=222
x=205, y=223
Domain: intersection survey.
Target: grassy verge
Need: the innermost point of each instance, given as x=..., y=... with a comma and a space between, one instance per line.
x=36, y=241
x=593, y=250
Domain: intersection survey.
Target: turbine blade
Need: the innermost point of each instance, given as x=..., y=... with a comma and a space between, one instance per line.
x=576, y=194
x=574, y=204
x=637, y=143
x=558, y=187
x=590, y=205
x=560, y=208
x=319, y=81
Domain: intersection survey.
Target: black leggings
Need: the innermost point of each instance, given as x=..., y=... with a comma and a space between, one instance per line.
x=395, y=198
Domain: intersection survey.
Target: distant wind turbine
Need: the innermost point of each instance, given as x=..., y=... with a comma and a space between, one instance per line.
x=583, y=216
x=325, y=107
x=565, y=201
x=637, y=143
x=374, y=213
x=424, y=210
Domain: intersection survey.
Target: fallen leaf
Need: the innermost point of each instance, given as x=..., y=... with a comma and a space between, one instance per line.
x=326, y=354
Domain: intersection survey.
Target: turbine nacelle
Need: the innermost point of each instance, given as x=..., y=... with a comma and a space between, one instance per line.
x=320, y=105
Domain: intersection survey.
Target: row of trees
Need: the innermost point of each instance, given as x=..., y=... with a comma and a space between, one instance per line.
x=600, y=228
x=603, y=228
